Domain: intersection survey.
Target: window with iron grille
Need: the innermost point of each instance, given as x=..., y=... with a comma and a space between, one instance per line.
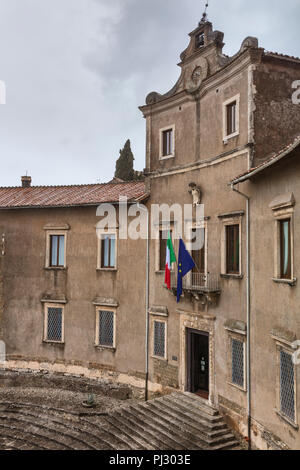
x=160, y=339
x=106, y=328
x=238, y=363
x=287, y=385
x=54, y=331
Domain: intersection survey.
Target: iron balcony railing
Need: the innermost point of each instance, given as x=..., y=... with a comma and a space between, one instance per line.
x=209, y=282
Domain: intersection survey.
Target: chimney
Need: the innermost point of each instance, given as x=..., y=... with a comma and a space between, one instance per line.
x=26, y=181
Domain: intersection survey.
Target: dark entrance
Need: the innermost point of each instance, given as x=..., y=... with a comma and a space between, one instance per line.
x=198, y=363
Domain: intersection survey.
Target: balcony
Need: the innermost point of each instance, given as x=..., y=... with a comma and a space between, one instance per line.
x=198, y=282
x=200, y=287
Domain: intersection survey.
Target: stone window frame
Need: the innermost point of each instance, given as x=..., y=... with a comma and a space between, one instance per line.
x=172, y=127
x=282, y=344
x=53, y=231
x=159, y=319
x=226, y=103
x=110, y=231
x=241, y=336
x=48, y=305
x=98, y=309
x=227, y=220
x=279, y=215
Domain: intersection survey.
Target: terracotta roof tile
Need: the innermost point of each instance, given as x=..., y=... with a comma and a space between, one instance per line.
x=68, y=196
x=283, y=56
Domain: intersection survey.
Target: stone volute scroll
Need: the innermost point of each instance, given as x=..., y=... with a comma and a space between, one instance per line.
x=196, y=194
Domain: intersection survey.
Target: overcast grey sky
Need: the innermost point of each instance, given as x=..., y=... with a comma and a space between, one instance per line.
x=77, y=70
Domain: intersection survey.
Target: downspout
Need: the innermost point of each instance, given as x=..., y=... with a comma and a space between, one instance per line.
x=148, y=165
x=147, y=303
x=248, y=313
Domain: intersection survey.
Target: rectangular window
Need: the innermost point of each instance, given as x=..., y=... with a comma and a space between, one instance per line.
x=287, y=386
x=159, y=339
x=57, y=251
x=106, y=328
x=238, y=363
x=54, y=324
x=167, y=143
x=232, y=249
x=108, y=251
x=163, y=238
x=198, y=255
x=285, y=249
x=231, y=110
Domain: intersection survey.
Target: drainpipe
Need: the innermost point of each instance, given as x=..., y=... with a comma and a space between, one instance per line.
x=248, y=312
x=147, y=302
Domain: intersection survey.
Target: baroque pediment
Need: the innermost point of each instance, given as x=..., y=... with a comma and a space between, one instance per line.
x=202, y=58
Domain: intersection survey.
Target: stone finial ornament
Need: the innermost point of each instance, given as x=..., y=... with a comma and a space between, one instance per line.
x=195, y=191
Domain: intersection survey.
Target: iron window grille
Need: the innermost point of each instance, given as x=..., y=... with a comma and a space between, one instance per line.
x=160, y=339
x=238, y=363
x=287, y=386
x=106, y=328
x=55, y=324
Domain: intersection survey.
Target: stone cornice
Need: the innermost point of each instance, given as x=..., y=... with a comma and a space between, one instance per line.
x=200, y=163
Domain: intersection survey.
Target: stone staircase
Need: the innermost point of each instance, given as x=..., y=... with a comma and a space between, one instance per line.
x=180, y=421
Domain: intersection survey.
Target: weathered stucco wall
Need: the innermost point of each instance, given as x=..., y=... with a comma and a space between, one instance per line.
x=27, y=282
x=277, y=118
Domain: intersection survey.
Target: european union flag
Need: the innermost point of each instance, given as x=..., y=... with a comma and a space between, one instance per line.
x=185, y=265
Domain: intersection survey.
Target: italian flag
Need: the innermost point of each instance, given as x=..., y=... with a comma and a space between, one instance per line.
x=170, y=259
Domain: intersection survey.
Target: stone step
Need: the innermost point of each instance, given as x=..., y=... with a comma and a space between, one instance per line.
x=102, y=440
x=182, y=417
x=160, y=437
x=198, y=438
x=177, y=438
x=180, y=421
x=34, y=428
x=36, y=439
x=198, y=404
x=181, y=407
x=196, y=428
x=134, y=439
x=110, y=435
x=19, y=442
x=73, y=433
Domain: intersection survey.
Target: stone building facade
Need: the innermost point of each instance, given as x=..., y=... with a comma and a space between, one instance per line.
x=225, y=117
